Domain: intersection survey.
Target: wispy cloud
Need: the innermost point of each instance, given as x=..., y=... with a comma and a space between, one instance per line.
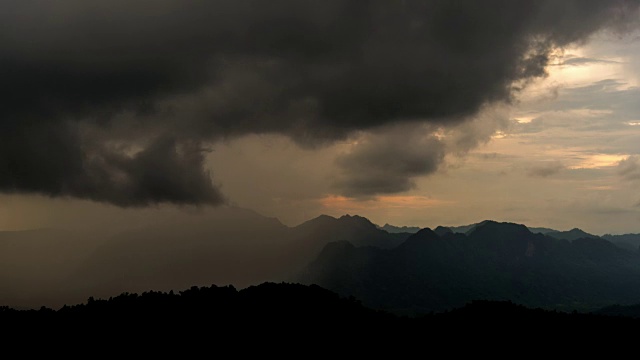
x=342, y=203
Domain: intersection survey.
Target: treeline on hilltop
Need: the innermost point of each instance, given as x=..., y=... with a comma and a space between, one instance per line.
x=291, y=311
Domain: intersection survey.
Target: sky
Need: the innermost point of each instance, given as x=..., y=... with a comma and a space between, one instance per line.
x=417, y=113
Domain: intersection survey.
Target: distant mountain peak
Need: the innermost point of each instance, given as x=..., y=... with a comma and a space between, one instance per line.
x=399, y=229
x=325, y=216
x=321, y=220
x=493, y=226
x=442, y=230
x=344, y=218
x=490, y=222
x=353, y=217
x=573, y=234
x=357, y=219
x=356, y=229
x=419, y=239
x=426, y=232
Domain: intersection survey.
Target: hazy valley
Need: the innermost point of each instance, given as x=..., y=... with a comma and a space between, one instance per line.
x=403, y=272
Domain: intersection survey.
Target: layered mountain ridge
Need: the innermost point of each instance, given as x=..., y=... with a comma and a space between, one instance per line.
x=493, y=261
x=404, y=272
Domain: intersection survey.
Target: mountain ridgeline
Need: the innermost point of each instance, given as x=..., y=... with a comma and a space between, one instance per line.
x=282, y=318
x=401, y=271
x=627, y=241
x=222, y=246
x=439, y=270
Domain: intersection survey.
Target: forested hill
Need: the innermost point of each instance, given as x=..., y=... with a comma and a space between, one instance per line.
x=290, y=316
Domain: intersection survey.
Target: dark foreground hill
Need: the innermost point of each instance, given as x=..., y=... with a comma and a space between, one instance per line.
x=631, y=311
x=493, y=261
x=284, y=318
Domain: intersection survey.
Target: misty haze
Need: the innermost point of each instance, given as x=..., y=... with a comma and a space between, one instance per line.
x=403, y=169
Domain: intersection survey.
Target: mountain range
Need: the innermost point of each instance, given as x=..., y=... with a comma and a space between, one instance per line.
x=226, y=246
x=492, y=261
x=400, y=271
x=627, y=241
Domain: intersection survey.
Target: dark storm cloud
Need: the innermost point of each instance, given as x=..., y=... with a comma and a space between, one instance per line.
x=165, y=169
x=141, y=72
x=386, y=163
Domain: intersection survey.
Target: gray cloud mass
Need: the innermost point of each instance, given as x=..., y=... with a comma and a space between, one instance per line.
x=115, y=101
x=546, y=169
x=629, y=168
x=386, y=162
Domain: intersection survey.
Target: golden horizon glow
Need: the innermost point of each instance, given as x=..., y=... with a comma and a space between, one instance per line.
x=338, y=202
x=597, y=161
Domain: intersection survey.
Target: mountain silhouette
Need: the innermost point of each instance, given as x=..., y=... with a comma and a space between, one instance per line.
x=627, y=241
x=441, y=230
x=406, y=273
x=400, y=229
x=573, y=234
x=494, y=261
x=541, y=230
x=356, y=229
x=291, y=319
x=631, y=311
x=225, y=245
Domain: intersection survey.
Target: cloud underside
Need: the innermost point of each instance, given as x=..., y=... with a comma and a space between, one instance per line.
x=385, y=162
x=546, y=170
x=114, y=102
x=629, y=168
